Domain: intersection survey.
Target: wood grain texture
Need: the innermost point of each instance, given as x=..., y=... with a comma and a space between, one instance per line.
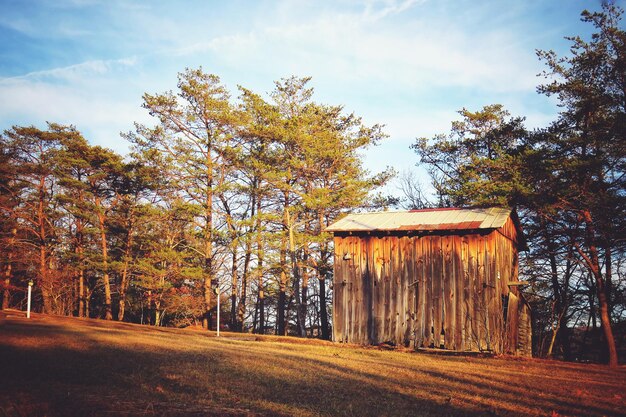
x=429, y=289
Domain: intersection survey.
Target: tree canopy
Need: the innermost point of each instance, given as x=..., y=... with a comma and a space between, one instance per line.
x=568, y=179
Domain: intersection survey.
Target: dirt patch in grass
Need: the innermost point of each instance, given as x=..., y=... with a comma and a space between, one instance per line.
x=56, y=366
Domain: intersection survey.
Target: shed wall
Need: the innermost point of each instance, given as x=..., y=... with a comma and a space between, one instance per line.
x=427, y=291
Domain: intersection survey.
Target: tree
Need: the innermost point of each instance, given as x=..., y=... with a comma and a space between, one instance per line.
x=8, y=222
x=568, y=179
x=586, y=144
x=72, y=170
x=104, y=194
x=479, y=161
x=414, y=196
x=167, y=268
x=194, y=132
x=32, y=186
x=258, y=129
x=321, y=177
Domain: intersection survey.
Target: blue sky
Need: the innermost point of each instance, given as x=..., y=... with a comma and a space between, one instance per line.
x=408, y=64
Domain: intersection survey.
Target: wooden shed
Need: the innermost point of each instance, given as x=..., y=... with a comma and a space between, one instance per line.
x=438, y=278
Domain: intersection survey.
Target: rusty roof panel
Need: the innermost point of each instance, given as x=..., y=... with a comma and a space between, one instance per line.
x=435, y=219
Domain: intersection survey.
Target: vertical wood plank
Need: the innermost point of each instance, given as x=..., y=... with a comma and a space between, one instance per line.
x=392, y=318
x=389, y=307
x=483, y=317
x=369, y=289
x=463, y=293
x=458, y=293
x=356, y=291
x=409, y=291
x=493, y=294
x=372, y=255
x=338, y=291
x=448, y=280
x=437, y=277
x=363, y=290
x=400, y=291
x=384, y=323
x=474, y=293
x=379, y=301
x=428, y=285
x=420, y=298
x=354, y=288
x=513, y=324
x=347, y=288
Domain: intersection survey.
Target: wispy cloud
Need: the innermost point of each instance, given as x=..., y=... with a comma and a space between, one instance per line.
x=89, y=95
x=407, y=63
x=21, y=25
x=377, y=9
x=77, y=72
x=414, y=53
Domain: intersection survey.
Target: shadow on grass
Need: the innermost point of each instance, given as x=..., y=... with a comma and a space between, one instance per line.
x=424, y=388
x=81, y=370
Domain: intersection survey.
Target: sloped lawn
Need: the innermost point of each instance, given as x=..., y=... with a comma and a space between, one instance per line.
x=53, y=366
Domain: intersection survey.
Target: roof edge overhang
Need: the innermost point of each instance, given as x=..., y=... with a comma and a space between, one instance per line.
x=417, y=233
x=440, y=229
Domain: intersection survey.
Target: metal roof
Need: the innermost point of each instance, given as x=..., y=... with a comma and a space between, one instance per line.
x=426, y=220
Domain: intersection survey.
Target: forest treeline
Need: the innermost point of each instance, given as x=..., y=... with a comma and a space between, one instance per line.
x=235, y=192
x=221, y=195
x=567, y=181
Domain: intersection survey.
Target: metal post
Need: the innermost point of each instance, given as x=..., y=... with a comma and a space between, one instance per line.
x=218, y=309
x=30, y=290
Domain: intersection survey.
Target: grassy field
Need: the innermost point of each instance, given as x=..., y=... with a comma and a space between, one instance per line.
x=53, y=366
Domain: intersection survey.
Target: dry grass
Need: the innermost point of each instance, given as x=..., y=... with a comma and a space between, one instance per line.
x=51, y=366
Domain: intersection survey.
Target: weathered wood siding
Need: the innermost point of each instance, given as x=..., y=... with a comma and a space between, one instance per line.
x=446, y=290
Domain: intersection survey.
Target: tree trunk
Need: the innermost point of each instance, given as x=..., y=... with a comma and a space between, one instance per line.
x=608, y=265
x=7, y=282
x=124, y=282
x=303, y=302
x=261, y=301
x=255, y=317
x=592, y=304
x=44, y=281
x=234, y=287
x=123, y=288
x=208, y=241
x=87, y=299
x=81, y=267
x=6, y=296
x=556, y=329
x=282, y=288
x=559, y=311
x=323, y=310
x=260, y=284
x=81, y=293
x=593, y=263
x=208, y=288
x=321, y=276
x=244, y=286
x=259, y=254
x=108, y=313
x=157, y=316
x=295, y=270
x=44, y=276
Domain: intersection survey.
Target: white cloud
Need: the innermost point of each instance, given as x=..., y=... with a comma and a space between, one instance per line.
x=21, y=25
x=373, y=12
x=415, y=53
x=75, y=73
x=88, y=95
x=404, y=63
